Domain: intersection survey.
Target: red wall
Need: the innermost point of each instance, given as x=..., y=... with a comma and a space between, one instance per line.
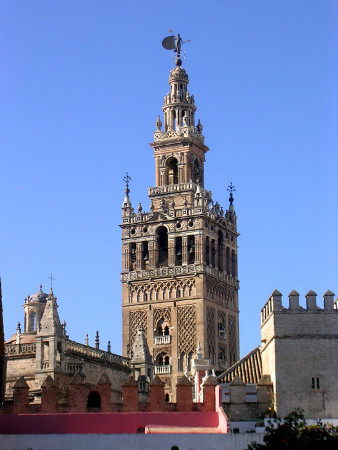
x=101, y=423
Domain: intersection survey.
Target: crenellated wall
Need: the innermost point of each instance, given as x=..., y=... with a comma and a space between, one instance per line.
x=299, y=352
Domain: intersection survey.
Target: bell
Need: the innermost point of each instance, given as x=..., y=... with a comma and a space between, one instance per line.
x=191, y=250
x=179, y=253
x=145, y=258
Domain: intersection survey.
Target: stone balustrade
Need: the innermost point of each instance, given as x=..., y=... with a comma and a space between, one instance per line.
x=159, y=340
x=162, y=369
x=20, y=349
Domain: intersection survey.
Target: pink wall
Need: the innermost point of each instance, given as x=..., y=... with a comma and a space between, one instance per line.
x=101, y=423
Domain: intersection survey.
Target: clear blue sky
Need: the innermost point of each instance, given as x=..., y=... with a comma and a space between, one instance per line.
x=81, y=84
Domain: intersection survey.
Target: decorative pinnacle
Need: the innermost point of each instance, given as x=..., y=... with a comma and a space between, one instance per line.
x=231, y=188
x=127, y=179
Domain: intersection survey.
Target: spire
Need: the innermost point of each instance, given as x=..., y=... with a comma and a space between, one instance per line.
x=50, y=321
x=127, y=209
x=97, y=340
x=140, y=348
x=231, y=189
x=86, y=340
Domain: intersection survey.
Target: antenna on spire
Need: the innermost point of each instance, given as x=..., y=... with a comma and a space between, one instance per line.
x=174, y=43
x=231, y=188
x=127, y=179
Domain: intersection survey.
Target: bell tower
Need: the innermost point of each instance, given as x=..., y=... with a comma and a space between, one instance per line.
x=179, y=260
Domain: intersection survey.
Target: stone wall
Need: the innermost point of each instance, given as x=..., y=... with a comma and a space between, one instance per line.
x=299, y=352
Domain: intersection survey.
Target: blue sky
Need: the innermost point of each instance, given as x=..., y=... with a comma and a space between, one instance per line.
x=81, y=84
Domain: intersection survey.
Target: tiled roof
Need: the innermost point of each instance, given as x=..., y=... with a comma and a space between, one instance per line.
x=249, y=368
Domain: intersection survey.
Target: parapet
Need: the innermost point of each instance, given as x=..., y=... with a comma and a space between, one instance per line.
x=274, y=304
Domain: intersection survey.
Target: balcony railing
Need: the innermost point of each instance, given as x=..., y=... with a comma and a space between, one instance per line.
x=162, y=369
x=20, y=349
x=162, y=339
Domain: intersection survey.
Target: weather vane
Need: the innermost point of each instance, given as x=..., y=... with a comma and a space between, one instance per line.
x=174, y=43
x=126, y=179
x=231, y=188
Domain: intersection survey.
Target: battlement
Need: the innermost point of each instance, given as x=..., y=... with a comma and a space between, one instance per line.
x=274, y=304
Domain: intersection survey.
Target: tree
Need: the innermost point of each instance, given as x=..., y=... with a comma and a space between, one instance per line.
x=292, y=433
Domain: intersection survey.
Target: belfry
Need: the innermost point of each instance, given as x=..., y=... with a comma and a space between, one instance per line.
x=179, y=260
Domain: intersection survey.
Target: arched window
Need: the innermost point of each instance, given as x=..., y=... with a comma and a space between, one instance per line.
x=94, y=400
x=197, y=172
x=159, y=328
x=172, y=171
x=213, y=253
x=220, y=251
x=207, y=251
x=190, y=359
x=166, y=361
x=133, y=256
x=162, y=239
x=33, y=322
x=233, y=263
x=228, y=260
x=182, y=361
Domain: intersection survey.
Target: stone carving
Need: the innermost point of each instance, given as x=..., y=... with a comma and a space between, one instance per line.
x=186, y=329
x=136, y=319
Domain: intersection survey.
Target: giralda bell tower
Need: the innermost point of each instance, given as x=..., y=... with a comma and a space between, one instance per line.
x=179, y=260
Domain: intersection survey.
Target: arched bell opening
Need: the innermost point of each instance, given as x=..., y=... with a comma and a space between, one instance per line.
x=162, y=240
x=172, y=171
x=178, y=251
x=191, y=249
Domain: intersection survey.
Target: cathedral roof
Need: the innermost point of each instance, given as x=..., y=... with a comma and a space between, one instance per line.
x=249, y=368
x=25, y=338
x=39, y=296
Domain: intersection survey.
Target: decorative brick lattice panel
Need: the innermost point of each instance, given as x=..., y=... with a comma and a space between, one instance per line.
x=160, y=313
x=232, y=339
x=211, y=327
x=186, y=329
x=136, y=318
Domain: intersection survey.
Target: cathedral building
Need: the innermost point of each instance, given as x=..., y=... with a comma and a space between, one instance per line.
x=42, y=348
x=179, y=260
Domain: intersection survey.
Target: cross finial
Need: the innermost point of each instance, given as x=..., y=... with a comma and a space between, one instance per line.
x=51, y=281
x=127, y=179
x=231, y=188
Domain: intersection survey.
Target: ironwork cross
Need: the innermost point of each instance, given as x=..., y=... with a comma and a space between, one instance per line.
x=51, y=280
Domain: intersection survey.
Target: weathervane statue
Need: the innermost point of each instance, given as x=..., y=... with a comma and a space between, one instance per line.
x=174, y=43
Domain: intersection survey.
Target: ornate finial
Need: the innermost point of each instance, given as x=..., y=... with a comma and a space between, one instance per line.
x=97, y=340
x=109, y=347
x=139, y=208
x=40, y=287
x=174, y=43
x=86, y=340
x=127, y=179
x=158, y=124
x=51, y=283
x=18, y=328
x=231, y=188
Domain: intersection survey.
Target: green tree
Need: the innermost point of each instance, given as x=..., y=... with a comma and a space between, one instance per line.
x=292, y=433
